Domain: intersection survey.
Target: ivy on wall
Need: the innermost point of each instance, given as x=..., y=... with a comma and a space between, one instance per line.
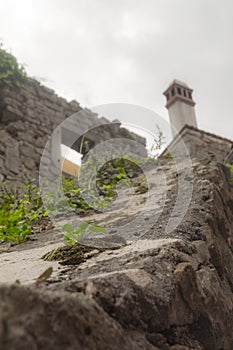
x=11, y=72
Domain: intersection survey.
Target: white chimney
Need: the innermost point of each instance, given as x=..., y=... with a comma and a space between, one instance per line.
x=180, y=106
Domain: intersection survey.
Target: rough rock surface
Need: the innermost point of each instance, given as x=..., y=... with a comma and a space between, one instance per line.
x=163, y=291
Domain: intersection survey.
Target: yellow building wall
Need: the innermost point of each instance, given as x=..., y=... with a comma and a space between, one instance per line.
x=69, y=168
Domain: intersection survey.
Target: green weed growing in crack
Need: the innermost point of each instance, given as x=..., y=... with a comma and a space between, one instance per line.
x=73, y=235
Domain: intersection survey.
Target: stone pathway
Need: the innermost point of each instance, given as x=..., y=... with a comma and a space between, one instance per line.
x=26, y=266
x=24, y=263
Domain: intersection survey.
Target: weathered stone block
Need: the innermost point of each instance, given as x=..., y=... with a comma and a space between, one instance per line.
x=12, y=157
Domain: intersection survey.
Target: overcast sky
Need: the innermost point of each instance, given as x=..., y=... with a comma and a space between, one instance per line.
x=103, y=51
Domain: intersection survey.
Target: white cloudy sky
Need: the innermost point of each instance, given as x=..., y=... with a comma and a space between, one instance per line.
x=102, y=51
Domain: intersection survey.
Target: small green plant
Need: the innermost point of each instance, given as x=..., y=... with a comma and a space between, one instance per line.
x=168, y=156
x=73, y=235
x=158, y=143
x=19, y=212
x=230, y=166
x=72, y=192
x=117, y=170
x=11, y=72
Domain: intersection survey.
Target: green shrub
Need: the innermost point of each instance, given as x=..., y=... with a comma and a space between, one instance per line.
x=18, y=213
x=11, y=72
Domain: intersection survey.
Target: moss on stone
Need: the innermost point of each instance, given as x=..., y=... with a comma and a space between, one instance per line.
x=71, y=255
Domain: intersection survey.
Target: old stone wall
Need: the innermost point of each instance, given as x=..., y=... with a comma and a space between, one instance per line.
x=28, y=117
x=167, y=291
x=200, y=142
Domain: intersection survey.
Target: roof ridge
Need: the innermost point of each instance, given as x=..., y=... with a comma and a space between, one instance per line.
x=186, y=126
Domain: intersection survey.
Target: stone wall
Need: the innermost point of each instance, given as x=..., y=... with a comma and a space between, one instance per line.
x=28, y=117
x=201, y=143
x=162, y=292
